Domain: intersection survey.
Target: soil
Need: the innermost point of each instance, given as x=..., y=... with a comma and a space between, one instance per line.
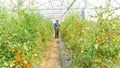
x=52, y=56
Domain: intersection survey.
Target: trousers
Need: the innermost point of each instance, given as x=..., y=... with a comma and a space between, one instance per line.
x=56, y=33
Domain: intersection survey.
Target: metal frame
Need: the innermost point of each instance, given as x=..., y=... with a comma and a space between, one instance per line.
x=61, y=9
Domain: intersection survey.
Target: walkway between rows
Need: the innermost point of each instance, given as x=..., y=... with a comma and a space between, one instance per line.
x=56, y=56
x=52, y=58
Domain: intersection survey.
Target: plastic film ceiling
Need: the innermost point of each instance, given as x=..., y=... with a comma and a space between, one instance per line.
x=58, y=9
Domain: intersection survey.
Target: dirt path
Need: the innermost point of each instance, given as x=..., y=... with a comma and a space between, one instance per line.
x=52, y=57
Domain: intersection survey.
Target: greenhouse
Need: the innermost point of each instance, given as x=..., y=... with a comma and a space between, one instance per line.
x=59, y=34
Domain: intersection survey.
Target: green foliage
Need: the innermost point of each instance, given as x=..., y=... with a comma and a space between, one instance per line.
x=22, y=38
x=92, y=45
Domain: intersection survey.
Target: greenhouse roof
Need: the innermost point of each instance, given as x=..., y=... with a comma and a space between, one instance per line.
x=58, y=9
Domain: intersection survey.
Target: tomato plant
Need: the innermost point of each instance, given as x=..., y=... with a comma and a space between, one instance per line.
x=92, y=44
x=22, y=38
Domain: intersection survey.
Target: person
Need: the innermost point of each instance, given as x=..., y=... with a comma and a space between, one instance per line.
x=83, y=14
x=56, y=27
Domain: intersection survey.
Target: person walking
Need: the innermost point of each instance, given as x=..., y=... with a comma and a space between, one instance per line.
x=56, y=27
